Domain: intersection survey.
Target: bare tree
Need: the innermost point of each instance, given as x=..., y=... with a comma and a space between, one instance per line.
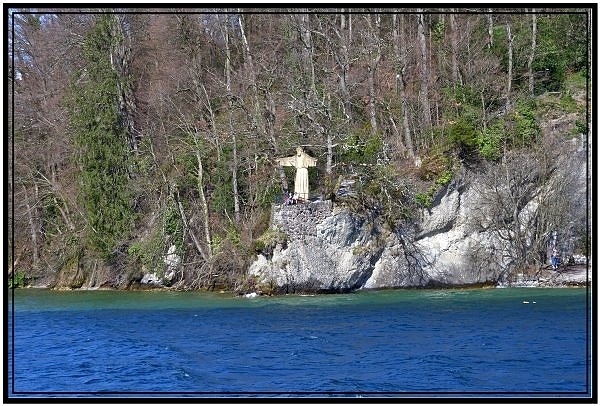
x=454, y=34
x=315, y=106
x=307, y=55
x=230, y=101
x=490, y=31
x=342, y=57
x=524, y=199
x=424, y=75
x=374, y=51
x=532, y=53
x=509, y=78
x=258, y=117
x=401, y=79
x=43, y=177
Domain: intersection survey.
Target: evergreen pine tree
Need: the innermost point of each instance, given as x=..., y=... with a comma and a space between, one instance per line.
x=103, y=153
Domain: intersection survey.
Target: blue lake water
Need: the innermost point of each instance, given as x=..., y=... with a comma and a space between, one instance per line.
x=429, y=343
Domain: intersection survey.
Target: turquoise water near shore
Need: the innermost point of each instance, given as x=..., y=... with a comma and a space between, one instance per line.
x=474, y=342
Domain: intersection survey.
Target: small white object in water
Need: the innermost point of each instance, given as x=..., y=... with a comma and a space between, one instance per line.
x=253, y=294
x=526, y=302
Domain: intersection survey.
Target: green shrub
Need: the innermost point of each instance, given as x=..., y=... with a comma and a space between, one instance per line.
x=527, y=129
x=148, y=252
x=361, y=148
x=433, y=165
x=489, y=141
x=580, y=127
x=268, y=241
x=576, y=83
x=216, y=244
x=462, y=135
x=568, y=103
x=135, y=250
x=18, y=280
x=445, y=178
x=424, y=199
x=173, y=225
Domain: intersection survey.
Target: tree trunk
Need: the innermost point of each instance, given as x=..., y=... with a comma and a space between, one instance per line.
x=344, y=63
x=424, y=90
x=189, y=231
x=510, y=65
x=203, y=204
x=371, y=71
x=211, y=114
x=490, y=28
x=483, y=114
x=266, y=130
x=454, y=32
x=372, y=112
x=307, y=55
x=270, y=123
x=400, y=49
x=397, y=137
x=234, y=166
x=532, y=54
x=32, y=217
x=329, y=163
x=250, y=69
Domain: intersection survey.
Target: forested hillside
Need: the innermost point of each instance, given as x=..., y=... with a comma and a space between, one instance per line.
x=139, y=135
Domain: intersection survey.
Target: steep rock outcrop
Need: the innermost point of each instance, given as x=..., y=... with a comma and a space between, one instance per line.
x=455, y=251
x=344, y=251
x=331, y=249
x=334, y=250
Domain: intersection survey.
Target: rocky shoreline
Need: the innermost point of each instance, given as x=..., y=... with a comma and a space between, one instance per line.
x=567, y=276
x=570, y=276
x=564, y=281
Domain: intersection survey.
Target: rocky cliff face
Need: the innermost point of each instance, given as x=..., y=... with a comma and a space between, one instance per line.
x=455, y=251
x=327, y=250
x=331, y=249
x=343, y=251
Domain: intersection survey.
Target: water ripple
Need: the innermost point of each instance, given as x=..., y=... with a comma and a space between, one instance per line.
x=386, y=341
